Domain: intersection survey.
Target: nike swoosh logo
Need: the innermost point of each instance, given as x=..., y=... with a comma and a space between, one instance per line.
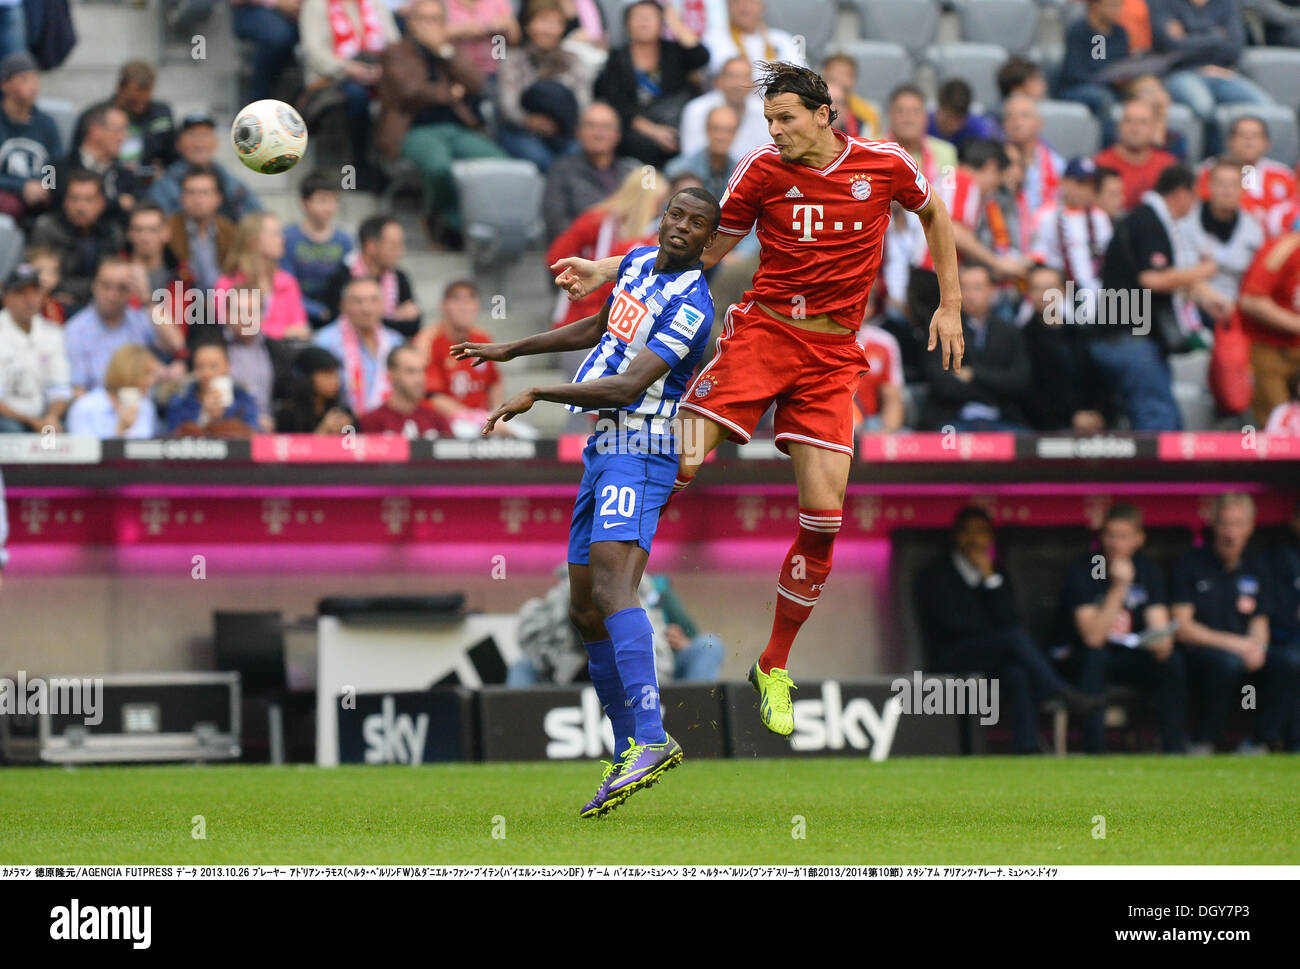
x=611, y=524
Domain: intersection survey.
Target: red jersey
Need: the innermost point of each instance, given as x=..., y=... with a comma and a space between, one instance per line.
x=821, y=231
x=1275, y=273
x=963, y=198
x=1137, y=178
x=886, y=360
x=424, y=421
x=459, y=378
x=1270, y=188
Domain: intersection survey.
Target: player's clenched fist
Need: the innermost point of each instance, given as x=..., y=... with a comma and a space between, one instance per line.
x=517, y=404
x=481, y=353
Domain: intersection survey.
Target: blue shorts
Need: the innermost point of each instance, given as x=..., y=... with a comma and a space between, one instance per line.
x=623, y=488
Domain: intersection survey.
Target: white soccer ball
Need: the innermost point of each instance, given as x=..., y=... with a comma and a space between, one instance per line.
x=269, y=136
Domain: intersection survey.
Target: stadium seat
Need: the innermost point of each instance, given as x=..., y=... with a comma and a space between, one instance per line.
x=500, y=203
x=64, y=113
x=976, y=64
x=1181, y=120
x=1070, y=128
x=814, y=22
x=881, y=66
x=11, y=245
x=1276, y=70
x=1282, y=128
x=1011, y=23
x=911, y=23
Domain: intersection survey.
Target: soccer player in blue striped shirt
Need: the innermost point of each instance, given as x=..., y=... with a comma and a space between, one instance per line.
x=647, y=339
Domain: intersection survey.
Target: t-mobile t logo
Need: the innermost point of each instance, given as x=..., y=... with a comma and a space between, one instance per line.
x=804, y=222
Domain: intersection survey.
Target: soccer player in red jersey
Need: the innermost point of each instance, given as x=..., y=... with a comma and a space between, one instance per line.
x=821, y=201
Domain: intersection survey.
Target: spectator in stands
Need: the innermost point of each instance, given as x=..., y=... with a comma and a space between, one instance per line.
x=315, y=247
x=1221, y=228
x=212, y=403
x=971, y=623
x=1094, y=43
x=981, y=172
x=342, y=43
x=428, y=110
x=81, y=233
x=95, y=333
x=34, y=385
x=316, y=405
x=262, y=367
x=1064, y=393
x=733, y=87
x=1268, y=186
x=1072, y=234
x=1284, y=620
x=361, y=340
x=150, y=142
x=541, y=89
x=473, y=25
x=1020, y=76
x=1118, y=613
x=1005, y=222
x=907, y=126
x=1110, y=193
x=745, y=33
x=1147, y=253
x=697, y=657
x=952, y=119
x=984, y=394
x=103, y=134
x=29, y=140
x=613, y=227
x=1270, y=297
x=862, y=119
x=646, y=81
x=46, y=263
x=381, y=245
x=714, y=163
x=121, y=406
x=1134, y=156
x=1222, y=594
x=576, y=183
x=1207, y=36
x=253, y=266
x=1152, y=90
x=463, y=393
x=196, y=144
x=879, y=400
x=702, y=16
x=271, y=26
x=199, y=236
x=154, y=268
x=1043, y=165
x=406, y=411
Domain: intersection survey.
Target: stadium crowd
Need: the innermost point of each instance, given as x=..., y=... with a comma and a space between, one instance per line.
x=156, y=296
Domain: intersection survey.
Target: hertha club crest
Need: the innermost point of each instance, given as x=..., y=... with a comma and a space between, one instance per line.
x=703, y=388
x=860, y=187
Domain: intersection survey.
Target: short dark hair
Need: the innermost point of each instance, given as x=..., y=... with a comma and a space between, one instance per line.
x=146, y=208
x=456, y=284
x=971, y=513
x=83, y=175
x=955, y=95
x=782, y=77
x=201, y=171
x=978, y=152
x=842, y=58
x=391, y=360
x=1232, y=130
x=1042, y=267
x=373, y=227
x=1123, y=511
x=1173, y=178
x=1102, y=173
x=316, y=181
x=98, y=115
x=705, y=196
x=352, y=281
x=209, y=344
x=632, y=5
x=1015, y=72
x=907, y=87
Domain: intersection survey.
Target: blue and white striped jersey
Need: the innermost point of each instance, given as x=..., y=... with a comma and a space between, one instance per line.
x=669, y=314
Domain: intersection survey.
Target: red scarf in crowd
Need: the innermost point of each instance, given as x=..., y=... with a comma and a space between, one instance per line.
x=347, y=44
x=365, y=398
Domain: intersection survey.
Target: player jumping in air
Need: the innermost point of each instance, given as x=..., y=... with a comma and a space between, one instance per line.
x=648, y=338
x=821, y=201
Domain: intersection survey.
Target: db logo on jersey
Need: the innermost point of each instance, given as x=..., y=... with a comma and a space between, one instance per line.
x=625, y=315
x=860, y=187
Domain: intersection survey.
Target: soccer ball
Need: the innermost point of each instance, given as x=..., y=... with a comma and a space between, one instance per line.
x=269, y=136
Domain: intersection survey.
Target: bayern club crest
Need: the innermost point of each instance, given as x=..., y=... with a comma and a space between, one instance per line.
x=860, y=187
x=703, y=387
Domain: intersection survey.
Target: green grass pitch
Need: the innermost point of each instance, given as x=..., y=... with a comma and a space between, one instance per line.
x=1157, y=810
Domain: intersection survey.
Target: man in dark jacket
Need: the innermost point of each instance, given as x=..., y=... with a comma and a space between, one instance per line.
x=82, y=234
x=577, y=182
x=150, y=143
x=29, y=141
x=971, y=623
x=984, y=394
x=1064, y=394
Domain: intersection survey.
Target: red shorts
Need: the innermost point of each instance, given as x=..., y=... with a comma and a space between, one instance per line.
x=811, y=376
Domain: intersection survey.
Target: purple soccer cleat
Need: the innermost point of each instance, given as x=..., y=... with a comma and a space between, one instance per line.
x=601, y=803
x=643, y=765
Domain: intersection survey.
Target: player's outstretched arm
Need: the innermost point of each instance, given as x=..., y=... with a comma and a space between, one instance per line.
x=581, y=277
x=579, y=335
x=945, y=325
x=617, y=390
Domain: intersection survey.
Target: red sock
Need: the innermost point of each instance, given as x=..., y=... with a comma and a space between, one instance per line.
x=806, y=567
x=679, y=484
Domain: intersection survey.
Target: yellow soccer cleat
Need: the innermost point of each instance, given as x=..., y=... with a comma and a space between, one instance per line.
x=775, y=708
